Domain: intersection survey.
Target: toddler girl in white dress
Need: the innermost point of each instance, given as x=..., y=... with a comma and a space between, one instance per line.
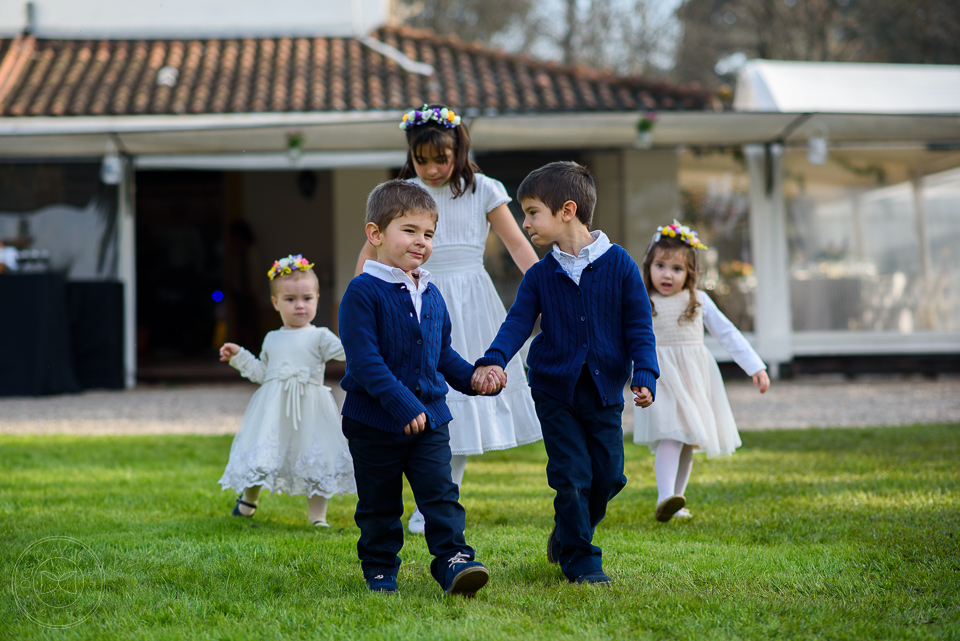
x=290, y=439
x=691, y=412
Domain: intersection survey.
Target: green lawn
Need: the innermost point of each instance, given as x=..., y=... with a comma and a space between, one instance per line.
x=835, y=534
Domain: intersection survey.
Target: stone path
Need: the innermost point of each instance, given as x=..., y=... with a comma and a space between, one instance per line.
x=217, y=409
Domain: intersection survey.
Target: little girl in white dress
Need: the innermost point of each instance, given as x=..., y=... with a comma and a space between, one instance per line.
x=691, y=412
x=290, y=439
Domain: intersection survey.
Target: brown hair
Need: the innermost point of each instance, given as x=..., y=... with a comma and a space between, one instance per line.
x=556, y=183
x=394, y=198
x=670, y=245
x=433, y=134
x=295, y=275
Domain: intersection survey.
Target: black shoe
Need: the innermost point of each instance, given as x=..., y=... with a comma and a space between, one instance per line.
x=597, y=577
x=553, y=546
x=236, y=508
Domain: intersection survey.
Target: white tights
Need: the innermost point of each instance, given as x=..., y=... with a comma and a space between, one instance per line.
x=672, y=464
x=316, y=505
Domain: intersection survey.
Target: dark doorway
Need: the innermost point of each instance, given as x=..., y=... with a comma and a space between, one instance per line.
x=180, y=273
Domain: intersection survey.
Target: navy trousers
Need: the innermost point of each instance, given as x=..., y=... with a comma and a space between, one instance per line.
x=584, y=443
x=380, y=460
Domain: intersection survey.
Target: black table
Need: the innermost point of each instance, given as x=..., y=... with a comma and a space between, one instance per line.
x=58, y=337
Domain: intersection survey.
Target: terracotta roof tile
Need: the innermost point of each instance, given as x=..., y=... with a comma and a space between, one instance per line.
x=318, y=92
x=73, y=77
x=301, y=75
x=337, y=76
x=200, y=101
x=244, y=76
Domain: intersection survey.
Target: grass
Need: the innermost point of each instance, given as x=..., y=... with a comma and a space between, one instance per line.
x=834, y=534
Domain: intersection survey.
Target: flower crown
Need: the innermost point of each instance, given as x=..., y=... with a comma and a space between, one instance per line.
x=285, y=266
x=442, y=115
x=685, y=234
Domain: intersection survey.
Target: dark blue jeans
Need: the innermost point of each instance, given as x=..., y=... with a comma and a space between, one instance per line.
x=584, y=443
x=380, y=459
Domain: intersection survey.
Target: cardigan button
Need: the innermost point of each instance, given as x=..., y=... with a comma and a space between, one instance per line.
x=597, y=372
x=584, y=344
x=583, y=318
x=419, y=342
x=416, y=371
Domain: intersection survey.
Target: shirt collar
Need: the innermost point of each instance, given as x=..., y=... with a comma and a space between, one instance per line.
x=395, y=274
x=591, y=252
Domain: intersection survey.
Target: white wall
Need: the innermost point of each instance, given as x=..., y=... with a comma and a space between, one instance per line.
x=192, y=18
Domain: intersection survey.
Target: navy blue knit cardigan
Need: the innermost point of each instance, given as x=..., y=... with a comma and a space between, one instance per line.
x=390, y=354
x=604, y=322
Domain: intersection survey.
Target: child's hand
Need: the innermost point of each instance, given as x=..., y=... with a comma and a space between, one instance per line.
x=417, y=425
x=495, y=381
x=644, y=398
x=761, y=380
x=228, y=351
x=480, y=382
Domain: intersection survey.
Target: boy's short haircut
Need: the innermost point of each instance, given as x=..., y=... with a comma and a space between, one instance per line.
x=296, y=275
x=395, y=198
x=556, y=183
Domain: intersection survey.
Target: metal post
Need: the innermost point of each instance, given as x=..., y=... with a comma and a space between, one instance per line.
x=127, y=269
x=773, y=318
x=920, y=218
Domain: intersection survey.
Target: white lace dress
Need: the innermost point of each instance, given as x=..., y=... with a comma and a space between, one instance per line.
x=480, y=424
x=691, y=404
x=289, y=439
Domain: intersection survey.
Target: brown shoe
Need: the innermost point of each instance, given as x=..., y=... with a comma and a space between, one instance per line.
x=668, y=507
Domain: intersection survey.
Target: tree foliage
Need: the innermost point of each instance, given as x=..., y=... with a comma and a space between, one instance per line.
x=901, y=31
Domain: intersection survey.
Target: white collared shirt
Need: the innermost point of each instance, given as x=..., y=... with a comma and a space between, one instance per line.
x=574, y=265
x=390, y=274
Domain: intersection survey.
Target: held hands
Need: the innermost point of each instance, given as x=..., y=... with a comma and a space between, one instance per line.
x=488, y=380
x=761, y=380
x=228, y=351
x=417, y=425
x=643, y=396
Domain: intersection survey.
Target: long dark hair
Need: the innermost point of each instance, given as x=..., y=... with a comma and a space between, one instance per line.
x=433, y=134
x=670, y=245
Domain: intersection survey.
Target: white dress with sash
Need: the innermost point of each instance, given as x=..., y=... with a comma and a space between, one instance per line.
x=289, y=440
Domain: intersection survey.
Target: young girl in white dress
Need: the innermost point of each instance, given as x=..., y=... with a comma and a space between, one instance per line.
x=290, y=439
x=691, y=412
x=470, y=203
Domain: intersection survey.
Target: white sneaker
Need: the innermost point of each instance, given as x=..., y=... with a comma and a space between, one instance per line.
x=416, y=523
x=683, y=513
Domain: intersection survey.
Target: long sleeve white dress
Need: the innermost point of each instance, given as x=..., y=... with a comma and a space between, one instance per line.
x=289, y=439
x=691, y=405
x=480, y=423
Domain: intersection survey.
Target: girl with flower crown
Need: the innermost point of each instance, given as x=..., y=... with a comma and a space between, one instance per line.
x=470, y=203
x=691, y=412
x=289, y=439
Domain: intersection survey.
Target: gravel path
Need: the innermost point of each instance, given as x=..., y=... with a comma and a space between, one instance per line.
x=217, y=409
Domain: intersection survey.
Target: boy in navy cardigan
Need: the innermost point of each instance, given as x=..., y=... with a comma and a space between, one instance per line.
x=396, y=335
x=595, y=321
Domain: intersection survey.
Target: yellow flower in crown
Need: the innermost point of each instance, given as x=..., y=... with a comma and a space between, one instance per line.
x=687, y=235
x=286, y=266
